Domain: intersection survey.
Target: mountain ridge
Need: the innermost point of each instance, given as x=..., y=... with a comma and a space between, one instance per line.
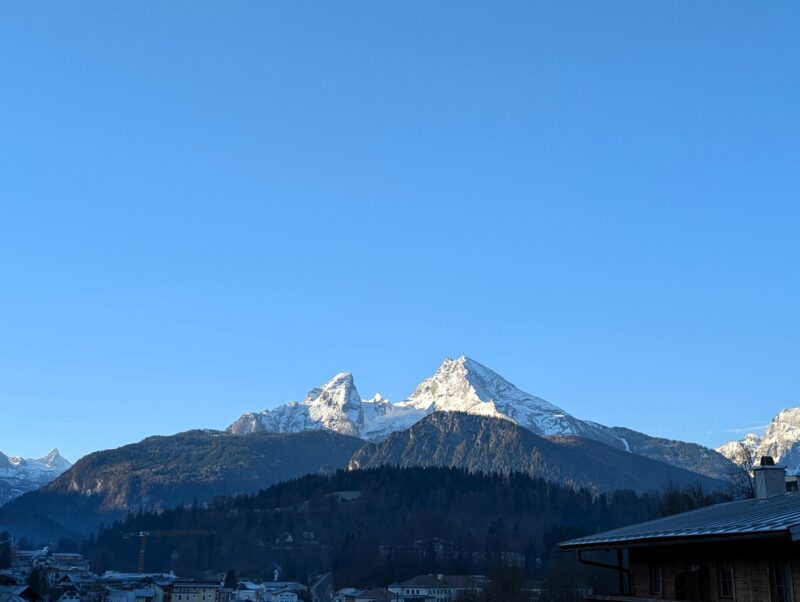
x=465, y=385
x=489, y=444
x=20, y=475
x=169, y=470
x=781, y=440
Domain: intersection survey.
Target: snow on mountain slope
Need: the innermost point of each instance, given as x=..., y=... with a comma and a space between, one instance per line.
x=741, y=451
x=381, y=417
x=334, y=406
x=20, y=475
x=460, y=385
x=464, y=385
x=781, y=440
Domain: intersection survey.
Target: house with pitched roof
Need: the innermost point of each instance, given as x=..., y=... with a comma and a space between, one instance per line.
x=742, y=551
x=438, y=587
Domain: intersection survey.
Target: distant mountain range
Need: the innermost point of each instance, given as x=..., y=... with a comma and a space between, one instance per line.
x=781, y=440
x=464, y=385
x=161, y=472
x=20, y=475
x=463, y=416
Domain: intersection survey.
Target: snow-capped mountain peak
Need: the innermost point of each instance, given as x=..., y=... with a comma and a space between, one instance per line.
x=55, y=460
x=781, y=440
x=340, y=391
x=464, y=385
x=19, y=475
x=337, y=404
x=742, y=451
x=460, y=385
x=51, y=462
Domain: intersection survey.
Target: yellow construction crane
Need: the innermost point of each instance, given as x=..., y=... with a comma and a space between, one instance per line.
x=145, y=535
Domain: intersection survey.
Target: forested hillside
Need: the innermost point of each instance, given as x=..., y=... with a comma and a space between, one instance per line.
x=162, y=472
x=373, y=526
x=487, y=444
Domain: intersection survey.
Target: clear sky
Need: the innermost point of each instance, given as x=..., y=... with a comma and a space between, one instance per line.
x=211, y=207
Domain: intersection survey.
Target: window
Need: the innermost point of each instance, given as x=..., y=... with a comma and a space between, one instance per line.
x=725, y=579
x=780, y=582
x=656, y=579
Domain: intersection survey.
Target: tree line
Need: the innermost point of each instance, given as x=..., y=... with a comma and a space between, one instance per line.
x=372, y=527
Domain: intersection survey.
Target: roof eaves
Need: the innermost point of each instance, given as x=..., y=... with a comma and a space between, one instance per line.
x=605, y=544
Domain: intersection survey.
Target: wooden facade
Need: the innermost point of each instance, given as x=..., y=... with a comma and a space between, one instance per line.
x=747, y=570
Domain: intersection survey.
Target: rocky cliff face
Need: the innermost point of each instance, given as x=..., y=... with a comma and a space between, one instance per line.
x=335, y=406
x=781, y=440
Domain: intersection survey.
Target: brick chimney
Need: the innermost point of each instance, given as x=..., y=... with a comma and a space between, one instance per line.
x=770, y=479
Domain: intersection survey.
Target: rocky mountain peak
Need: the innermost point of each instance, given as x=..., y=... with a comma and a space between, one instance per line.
x=461, y=385
x=457, y=385
x=54, y=459
x=751, y=439
x=340, y=391
x=781, y=440
x=19, y=475
x=337, y=404
x=464, y=385
x=742, y=452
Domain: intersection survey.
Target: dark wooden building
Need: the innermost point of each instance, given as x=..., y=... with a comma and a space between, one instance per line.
x=743, y=551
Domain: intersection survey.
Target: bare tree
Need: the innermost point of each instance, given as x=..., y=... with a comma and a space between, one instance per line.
x=742, y=483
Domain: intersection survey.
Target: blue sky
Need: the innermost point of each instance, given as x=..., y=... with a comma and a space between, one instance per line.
x=209, y=208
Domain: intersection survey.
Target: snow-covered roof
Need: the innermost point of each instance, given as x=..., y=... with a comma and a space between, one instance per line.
x=10, y=597
x=17, y=590
x=290, y=585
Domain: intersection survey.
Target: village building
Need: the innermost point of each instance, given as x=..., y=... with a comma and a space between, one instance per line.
x=745, y=551
x=379, y=594
x=193, y=591
x=70, y=596
x=346, y=594
x=269, y=591
x=438, y=587
x=283, y=595
x=276, y=586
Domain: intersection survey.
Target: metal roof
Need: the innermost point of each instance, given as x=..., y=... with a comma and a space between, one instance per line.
x=771, y=516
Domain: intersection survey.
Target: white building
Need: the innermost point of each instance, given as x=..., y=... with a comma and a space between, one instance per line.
x=438, y=587
x=284, y=595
